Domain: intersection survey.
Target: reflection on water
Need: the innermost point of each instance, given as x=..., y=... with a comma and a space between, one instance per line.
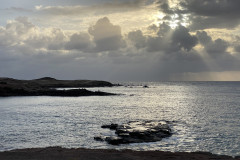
x=205, y=117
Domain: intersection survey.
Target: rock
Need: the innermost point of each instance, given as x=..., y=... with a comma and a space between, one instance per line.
x=111, y=126
x=3, y=82
x=114, y=140
x=99, y=138
x=138, y=132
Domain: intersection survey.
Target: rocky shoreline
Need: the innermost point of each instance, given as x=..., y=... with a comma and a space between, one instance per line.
x=47, y=87
x=59, y=153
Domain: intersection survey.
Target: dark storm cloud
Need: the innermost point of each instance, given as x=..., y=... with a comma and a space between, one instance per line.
x=203, y=14
x=203, y=38
x=216, y=47
x=138, y=39
x=164, y=6
x=213, y=14
x=173, y=48
x=221, y=58
x=215, y=8
x=177, y=52
x=167, y=39
x=106, y=35
x=183, y=39
x=203, y=22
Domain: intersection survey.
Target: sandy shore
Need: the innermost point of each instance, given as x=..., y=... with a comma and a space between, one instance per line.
x=58, y=153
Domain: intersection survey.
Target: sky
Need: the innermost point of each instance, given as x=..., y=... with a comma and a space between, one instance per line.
x=121, y=40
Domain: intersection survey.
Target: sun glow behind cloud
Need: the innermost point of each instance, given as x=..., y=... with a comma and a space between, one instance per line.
x=130, y=15
x=208, y=76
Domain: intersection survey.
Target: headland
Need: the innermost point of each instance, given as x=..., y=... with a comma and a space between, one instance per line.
x=47, y=87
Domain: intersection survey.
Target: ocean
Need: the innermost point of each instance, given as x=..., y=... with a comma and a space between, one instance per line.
x=203, y=116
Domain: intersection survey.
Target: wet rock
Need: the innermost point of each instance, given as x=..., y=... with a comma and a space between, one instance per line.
x=138, y=132
x=114, y=140
x=111, y=126
x=99, y=138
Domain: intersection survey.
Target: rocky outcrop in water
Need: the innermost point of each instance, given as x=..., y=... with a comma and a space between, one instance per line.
x=137, y=132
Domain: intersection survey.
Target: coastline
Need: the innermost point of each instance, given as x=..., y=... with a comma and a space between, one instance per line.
x=59, y=153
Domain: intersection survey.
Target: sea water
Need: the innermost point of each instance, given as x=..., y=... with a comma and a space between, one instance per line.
x=204, y=116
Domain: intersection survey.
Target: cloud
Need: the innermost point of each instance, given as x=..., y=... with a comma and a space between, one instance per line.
x=23, y=37
x=16, y=31
x=102, y=52
x=216, y=47
x=183, y=39
x=178, y=50
x=173, y=50
x=106, y=36
x=213, y=14
x=202, y=14
x=79, y=41
x=203, y=38
x=215, y=8
x=237, y=48
x=19, y=9
x=218, y=57
x=236, y=44
x=162, y=40
x=101, y=8
x=138, y=39
x=202, y=22
x=164, y=6
x=20, y=26
x=20, y=35
x=166, y=39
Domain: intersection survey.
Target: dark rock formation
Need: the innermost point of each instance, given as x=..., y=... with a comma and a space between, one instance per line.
x=45, y=87
x=7, y=92
x=137, y=132
x=111, y=126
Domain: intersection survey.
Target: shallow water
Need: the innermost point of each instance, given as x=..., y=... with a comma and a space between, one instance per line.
x=205, y=116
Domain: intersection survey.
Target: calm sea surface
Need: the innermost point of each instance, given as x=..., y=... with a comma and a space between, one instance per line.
x=205, y=116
